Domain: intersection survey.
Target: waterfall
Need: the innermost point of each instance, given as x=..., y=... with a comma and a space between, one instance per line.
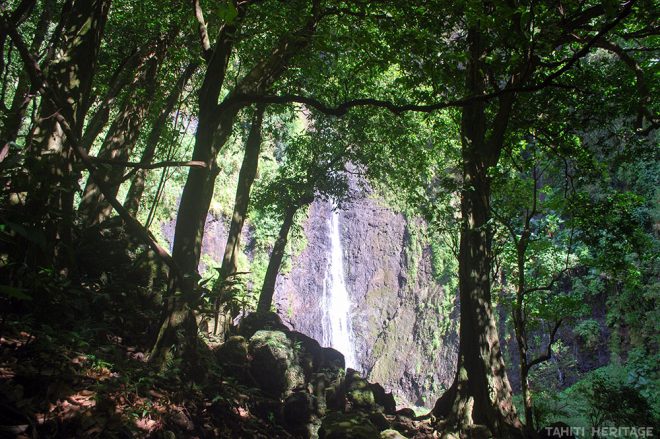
x=337, y=330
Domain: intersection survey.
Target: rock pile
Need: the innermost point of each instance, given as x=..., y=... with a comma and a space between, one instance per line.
x=306, y=387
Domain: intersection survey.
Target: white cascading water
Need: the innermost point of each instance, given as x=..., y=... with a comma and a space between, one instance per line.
x=337, y=329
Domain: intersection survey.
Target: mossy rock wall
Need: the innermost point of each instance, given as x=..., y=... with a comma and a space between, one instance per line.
x=403, y=317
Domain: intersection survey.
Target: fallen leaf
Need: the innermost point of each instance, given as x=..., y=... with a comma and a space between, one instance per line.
x=146, y=424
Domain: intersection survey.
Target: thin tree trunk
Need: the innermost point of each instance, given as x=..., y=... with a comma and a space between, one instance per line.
x=120, y=79
x=193, y=207
x=134, y=196
x=275, y=261
x=22, y=97
x=21, y=13
x=121, y=139
x=246, y=177
x=122, y=136
x=520, y=330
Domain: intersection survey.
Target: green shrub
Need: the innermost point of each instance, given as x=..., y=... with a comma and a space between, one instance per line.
x=589, y=332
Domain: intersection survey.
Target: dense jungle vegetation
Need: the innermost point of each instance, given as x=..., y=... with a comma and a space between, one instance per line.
x=521, y=135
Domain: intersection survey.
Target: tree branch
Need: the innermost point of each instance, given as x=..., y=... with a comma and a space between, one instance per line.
x=203, y=30
x=138, y=165
x=548, y=353
x=550, y=285
x=640, y=80
x=344, y=107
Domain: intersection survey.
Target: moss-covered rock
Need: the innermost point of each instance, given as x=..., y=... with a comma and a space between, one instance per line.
x=298, y=408
x=310, y=352
x=363, y=395
x=299, y=415
x=358, y=392
x=347, y=426
x=391, y=434
x=383, y=399
x=274, y=364
x=256, y=321
x=232, y=355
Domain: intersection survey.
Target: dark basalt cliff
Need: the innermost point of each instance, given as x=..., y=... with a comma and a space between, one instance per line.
x=401, y=336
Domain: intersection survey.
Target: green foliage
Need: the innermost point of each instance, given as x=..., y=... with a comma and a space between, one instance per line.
x=589, y=332
x=610, y=398
x=232, y=295
x=10, y=292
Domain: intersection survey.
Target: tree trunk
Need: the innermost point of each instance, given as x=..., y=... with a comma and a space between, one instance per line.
x=49, y=159
x=21, y=13
x=122, y=76
x=520, y=329
x=134, y=196
x=481, y=393
x=121, y=139
x=214, y=128
x=245, y=179
x=22, y=98
x=275, y=261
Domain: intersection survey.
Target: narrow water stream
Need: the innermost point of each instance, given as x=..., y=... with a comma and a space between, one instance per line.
x=337, y=330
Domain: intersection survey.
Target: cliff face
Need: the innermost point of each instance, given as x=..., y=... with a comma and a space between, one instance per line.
x=402, y=340
x=404, y=322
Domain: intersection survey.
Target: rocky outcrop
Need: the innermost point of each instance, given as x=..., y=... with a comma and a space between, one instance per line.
x=305, y=385
x=404, y=321
x=275, y=364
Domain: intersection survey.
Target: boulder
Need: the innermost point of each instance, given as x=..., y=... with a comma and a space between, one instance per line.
x=347, y=426
x=274, y=364
x=327, y=381
x=232, y=355
x=327, y=392
x=298, y=408
x=363, y=395
x=391, y=434
x=358, y=392
x=310, y=354
x=299, y=415
x=332, y=359
x=256, y=321
x=383, y=399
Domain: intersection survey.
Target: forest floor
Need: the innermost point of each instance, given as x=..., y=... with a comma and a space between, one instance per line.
x=73, y=362
x=61, y=377
x=61, y=383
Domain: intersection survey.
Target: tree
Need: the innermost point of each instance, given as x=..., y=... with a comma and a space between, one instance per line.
x=136, y=190
x=15, y=114
x=124, y=132
x=49, y=160
x=538, y=251
x=314, y=168
x=214, y=128
x=229, y=268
